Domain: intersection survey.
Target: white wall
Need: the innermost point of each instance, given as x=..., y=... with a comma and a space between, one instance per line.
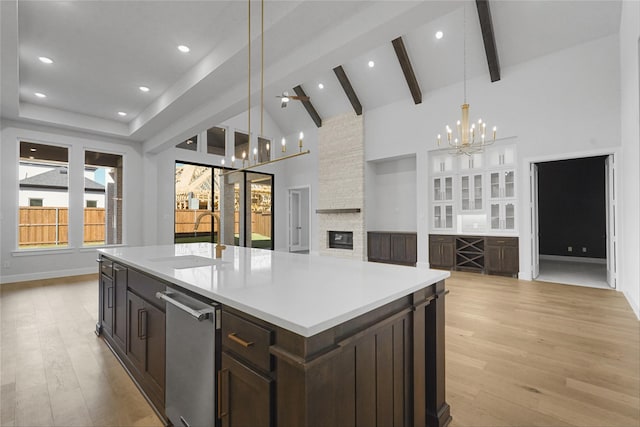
x=37, y=264
x=566, y=102
x=160, y=177
x=629, y=247
x=391, y=204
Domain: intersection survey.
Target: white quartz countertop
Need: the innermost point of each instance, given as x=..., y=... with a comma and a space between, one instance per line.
x=306, y=294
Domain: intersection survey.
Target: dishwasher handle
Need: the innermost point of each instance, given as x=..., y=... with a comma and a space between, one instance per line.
x=200, y=315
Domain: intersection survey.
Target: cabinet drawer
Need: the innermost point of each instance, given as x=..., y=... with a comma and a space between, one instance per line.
x=502, y=241
x=146, y=287
x=247, y=340
x=440, y=238
x=106, y=267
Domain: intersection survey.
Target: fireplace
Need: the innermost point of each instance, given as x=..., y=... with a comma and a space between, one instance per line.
x=341, y=239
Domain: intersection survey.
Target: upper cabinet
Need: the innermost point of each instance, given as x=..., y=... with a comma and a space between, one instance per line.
x=500, y=156
x=474, y=193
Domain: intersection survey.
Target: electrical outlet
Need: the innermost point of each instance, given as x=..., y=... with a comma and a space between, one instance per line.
x=569, y=249
x=584, y=250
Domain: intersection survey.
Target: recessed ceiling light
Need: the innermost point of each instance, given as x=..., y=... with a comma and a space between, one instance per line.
x=122, y=113
x=371, y=64
x=439, y=34
x=184, y=49
x=40, y=95
x=320, y=86
x=45, y=60
x=144, y=88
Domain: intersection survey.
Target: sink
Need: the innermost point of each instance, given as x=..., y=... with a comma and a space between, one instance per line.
x=188, y=261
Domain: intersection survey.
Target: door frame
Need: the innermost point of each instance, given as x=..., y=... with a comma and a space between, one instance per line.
x=527, y=257
x=306, y=188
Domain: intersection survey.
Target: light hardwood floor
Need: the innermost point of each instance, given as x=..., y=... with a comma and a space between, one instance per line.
x=518, y=354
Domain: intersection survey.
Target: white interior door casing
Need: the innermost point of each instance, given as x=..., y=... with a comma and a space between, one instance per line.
x=610, y=194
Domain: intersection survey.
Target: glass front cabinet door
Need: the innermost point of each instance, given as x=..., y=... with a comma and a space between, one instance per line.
x=502, y=184
x=442, y=216
x=471, y=192
x=443, y=189
x=503, y=216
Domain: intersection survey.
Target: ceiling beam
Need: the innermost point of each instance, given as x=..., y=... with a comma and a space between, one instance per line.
x=486, y=24
x=308, y=106
x=348, y=89
x=407, y=69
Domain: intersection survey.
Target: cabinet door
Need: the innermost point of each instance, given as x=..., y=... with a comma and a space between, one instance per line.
x=154, y=332
x=471, y=192
x=136, y=330
x=503, y=216
x=120, y=305
x=493, y=259
x=510, y=260
x=245, y=395
x=404, y=248
x=106, y=301
x=443, y=217
x=379, y=246
x=443, y=189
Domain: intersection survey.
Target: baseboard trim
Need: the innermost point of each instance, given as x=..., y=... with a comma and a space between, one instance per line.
x=632, y=303
x=573, y=259
x=47, y=275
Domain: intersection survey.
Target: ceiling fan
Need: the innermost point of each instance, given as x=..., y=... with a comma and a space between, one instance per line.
x=285, y=98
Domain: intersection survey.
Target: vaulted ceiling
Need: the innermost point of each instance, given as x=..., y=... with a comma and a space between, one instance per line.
x=104, y=50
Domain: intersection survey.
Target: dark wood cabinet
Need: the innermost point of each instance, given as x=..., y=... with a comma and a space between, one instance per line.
x=134, y=325
x=441, y=251
x=245, y=395
x=392, y=247
x=483, y=254
x=146, y=345
x=502, y=256
x=246, y=383
x=120, y=305
x=106, y=304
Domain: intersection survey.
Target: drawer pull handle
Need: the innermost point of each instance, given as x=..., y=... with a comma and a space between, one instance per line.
x=235, y=338
x=500, y=241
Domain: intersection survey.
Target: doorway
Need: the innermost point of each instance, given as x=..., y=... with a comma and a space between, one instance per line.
x=299, y=219
x=573, y=227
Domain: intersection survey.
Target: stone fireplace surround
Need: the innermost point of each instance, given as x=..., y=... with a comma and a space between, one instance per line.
x=341, y=183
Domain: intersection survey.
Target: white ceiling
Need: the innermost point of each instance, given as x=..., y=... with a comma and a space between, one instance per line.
x=104, y=50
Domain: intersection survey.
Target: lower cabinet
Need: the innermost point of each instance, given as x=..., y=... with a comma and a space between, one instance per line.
x=146, y=343
x=502, y=255
x=134, y=326
x=245, y=395
x=484, y=254
x=392, y=247
x=246, y=383
x=441, y=252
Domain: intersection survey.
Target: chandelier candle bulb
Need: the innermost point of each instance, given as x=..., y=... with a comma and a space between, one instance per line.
x=222, y=162
x=438, y=140
x=494, y=132
x=284, y=145
x=233, y=160
x=300, y=141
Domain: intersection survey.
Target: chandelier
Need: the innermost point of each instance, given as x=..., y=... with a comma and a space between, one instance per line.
x=245, y=157
x=470, y=137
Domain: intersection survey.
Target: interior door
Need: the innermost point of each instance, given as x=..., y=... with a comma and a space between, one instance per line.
x=535, y=238
x=610, y=195
x=295, y=220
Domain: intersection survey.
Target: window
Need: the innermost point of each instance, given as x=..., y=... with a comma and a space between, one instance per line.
x=241, y=145
x=44, y=178
x=216, y=140
x=264, y=150
x=103, y=198
x=189, y=144
x=197, y=192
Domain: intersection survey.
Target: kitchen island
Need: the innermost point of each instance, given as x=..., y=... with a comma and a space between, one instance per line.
x=305, y=340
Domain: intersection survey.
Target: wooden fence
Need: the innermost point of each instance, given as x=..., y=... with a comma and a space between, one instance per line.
x=49, y=226
x=186, y=218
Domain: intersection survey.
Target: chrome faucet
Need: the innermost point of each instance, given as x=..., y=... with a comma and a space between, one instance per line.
x=219, y=247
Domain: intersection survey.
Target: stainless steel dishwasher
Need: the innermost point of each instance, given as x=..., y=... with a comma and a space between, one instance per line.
x=192, y=336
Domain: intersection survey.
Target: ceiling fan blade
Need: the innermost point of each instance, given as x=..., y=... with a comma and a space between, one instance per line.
x=283, y=104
